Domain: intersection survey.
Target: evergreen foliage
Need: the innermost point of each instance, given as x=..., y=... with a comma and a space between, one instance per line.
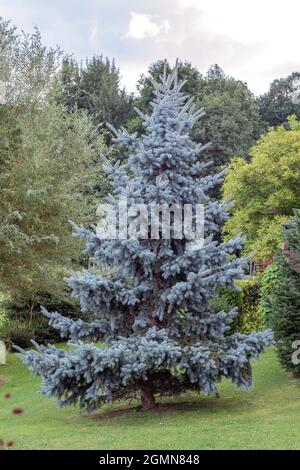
x=95, y=88
x=151, y=307
x=232, y=121
x=281, y=101
x=281, y=299
x=247, y=301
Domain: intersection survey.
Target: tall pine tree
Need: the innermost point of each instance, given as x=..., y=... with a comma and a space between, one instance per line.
x=96, y=88
x=151, y=305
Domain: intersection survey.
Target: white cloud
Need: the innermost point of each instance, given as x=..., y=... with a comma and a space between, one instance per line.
x=142, y=26
x=255, y=41
x=274, y=25
x=94, y=34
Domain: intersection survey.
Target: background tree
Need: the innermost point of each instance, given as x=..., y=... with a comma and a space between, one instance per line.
x=96, y=89
x=47, y=171
x=151, y=306
x=266, y=189
x=145, y=86
x=50, y=159
x=70, y=93
x=28, y=68
x=232, y=120
x=281, y=299
x=7, y=42
x=282, y=100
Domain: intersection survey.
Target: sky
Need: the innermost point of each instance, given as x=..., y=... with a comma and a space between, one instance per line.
x=255, y=41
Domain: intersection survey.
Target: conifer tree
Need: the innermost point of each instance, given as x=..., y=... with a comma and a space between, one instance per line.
x=230, y=133
x=148, y=300
x=95, y=87
x=282, y=299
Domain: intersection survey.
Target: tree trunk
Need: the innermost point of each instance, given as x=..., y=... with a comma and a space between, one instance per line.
x=31, y=307
x=147, y=397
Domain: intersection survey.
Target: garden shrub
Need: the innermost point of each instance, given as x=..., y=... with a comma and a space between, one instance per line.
x=16, y=332
x=269, y=282
x=246, y=299
x=20, y=327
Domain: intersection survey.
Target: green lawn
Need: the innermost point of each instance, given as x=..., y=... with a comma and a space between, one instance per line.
x=268, y=417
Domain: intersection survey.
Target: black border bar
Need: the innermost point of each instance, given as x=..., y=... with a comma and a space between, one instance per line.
x=144, y=458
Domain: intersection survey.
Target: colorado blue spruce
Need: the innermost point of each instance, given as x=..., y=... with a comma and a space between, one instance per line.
x=147, y=327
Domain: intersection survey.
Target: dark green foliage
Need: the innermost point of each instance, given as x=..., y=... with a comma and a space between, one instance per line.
x=18, y=333
x=145, y=87
x=282, y=100
x=269, y=283
x=24, y=321
x=232, y=120
x=282, y=300
x=249, y=317
x=96, y=89
x=10, y=137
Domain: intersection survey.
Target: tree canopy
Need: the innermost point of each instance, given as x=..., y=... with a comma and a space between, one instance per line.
x=47, y=168
x=282, y=100
x=232, y=122
x=266, y=189
x=95, y=87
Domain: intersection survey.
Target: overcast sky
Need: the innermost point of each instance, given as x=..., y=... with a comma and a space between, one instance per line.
x=255, y=41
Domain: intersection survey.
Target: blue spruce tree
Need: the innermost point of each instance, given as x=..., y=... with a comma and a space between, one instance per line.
x=149, y=328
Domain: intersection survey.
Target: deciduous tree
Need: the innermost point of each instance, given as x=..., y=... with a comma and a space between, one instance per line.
x=266, y=189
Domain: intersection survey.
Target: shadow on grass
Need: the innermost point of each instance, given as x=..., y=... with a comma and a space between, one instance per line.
x=201, y=405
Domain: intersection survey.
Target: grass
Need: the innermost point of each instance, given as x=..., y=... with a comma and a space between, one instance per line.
x=267, y=417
